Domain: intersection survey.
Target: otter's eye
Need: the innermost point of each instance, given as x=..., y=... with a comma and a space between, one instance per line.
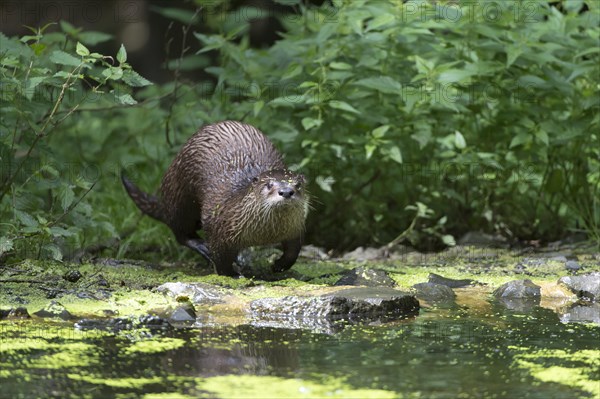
x=254, y=179
x=298, y=186
x=269, y=185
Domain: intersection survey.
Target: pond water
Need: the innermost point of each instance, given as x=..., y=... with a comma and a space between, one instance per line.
x=442, y=353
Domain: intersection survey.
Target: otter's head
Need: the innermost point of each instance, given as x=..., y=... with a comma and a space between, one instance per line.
x=280, y=188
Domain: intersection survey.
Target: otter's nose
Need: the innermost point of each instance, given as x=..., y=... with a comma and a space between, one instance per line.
x=286, y=192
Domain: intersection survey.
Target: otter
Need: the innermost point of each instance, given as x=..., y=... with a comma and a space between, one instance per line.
x=230, y=181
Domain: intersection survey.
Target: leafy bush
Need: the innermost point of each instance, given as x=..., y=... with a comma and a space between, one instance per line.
x=486, y=114
x=419, y=120
x=49, y=83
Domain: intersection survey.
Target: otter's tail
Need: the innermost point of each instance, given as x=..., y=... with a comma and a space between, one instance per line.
x=148, y=204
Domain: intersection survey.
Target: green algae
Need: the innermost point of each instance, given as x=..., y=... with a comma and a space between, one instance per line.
x=155, y=345
x=580, y=371
x=255, y=387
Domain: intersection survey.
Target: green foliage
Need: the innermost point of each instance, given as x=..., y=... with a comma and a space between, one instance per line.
x=414, y=121
x=487, y=114
x=48, y=81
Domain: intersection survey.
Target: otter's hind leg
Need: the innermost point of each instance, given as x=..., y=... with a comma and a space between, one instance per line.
x=197, y=245
x=223, y=261
x=291, y=249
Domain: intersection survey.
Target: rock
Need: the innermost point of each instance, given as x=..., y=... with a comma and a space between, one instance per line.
x=519, y=295
x=448, y=282
x=518, y=289
x=54, y=309
x=580, y=313
x=572, y=265
x=183, y=314
x=366, y=277
x=584, y=286
x=18, y=313
x=314, y=253
x=353, y=305
x=432, y=292
x=558, y=258
x=152, y=323
x=361, y=254
x=197, y=293
x=14, y=313
x=479, y=238
x=73, y=276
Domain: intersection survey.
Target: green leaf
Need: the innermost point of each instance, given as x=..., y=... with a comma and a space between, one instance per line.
x=379, y=21
x=125, y=99
x=92, y=38
x=448, y=240
x=6, y=244
x=292, y=71
x=134, y=79
x=520, y=139
x=258, y=106
x=380, y=131
x=340, y=65
x=325, y=183
x=26, y=219
x=383, y=84
x=62, y=58
x=370, y=149
x=344, y=106
x=66, y=196
x=308, y=123
x=82, y=50
x=54, y=251
x=454, y=76
x=176, y=14
x=459, y=140
x=114, y=73
x=395, y=154
x=122, y=55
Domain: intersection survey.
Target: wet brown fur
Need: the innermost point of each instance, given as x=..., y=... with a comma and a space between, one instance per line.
x=222, y=181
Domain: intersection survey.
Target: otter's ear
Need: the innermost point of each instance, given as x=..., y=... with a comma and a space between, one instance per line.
x=302, y=178
x=255, y=179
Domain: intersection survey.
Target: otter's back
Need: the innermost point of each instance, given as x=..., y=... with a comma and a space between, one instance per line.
x=217, y=160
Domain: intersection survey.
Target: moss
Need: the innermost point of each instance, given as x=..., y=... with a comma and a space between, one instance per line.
x=155, y=345
x=583, y=373
x=129, y=383
x=249, y=387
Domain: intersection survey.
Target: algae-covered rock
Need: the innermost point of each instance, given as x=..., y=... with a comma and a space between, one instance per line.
x=353, y=305
x=580, y=313
x=366, y=277
x=449, y=282
x=521, y=295
x=434, y=292
x=54, y=309
x=150, y=322
x=518, y=289
x=197, y=293
x=584, y=286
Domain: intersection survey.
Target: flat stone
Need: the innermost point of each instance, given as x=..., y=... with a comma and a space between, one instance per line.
x=579, y=313
x=150, y=322
x=366, y=277
x=584, y=286
x=572, y=265
x=361, y=254
x=449, y=282
x=55, y=310
x=518, y=289
x=352, y=305
x=432, y=292
x=182, y=314
x=197, y=293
